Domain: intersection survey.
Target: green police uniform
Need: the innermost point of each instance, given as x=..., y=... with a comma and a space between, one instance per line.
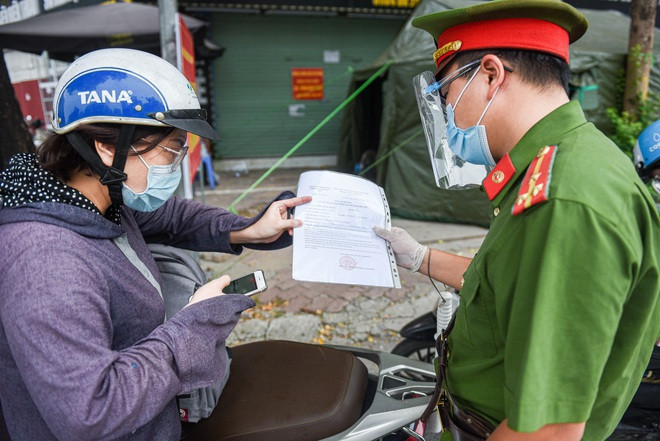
x=559, y=308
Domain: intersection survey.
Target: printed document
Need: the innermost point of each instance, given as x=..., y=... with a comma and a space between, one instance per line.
x=336, y=243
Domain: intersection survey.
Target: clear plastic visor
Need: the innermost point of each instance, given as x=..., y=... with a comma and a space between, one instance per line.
x=450, y=171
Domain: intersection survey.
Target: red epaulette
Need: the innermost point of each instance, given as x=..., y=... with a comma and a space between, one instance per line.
x=534, y=188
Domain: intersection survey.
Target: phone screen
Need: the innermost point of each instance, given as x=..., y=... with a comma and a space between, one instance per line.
x=242, y=285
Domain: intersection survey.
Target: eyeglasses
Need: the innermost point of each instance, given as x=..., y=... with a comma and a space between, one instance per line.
x=178, y=155
x=443, y=85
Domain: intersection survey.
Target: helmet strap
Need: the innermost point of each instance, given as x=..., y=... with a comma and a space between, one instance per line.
x=112, y=176
x=115, y=183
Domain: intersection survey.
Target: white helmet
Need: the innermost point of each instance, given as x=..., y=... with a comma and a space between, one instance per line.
x=127, y=86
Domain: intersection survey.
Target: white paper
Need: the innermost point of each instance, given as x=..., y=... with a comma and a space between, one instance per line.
x=336, y=243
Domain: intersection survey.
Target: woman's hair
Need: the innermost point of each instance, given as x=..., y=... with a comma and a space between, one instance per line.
x=57, y=155
x=535, y=68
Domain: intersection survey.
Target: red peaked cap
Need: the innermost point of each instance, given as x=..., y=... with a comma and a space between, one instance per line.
x=539, y=25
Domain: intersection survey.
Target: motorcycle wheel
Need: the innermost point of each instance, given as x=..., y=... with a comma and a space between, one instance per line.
x=416, y=349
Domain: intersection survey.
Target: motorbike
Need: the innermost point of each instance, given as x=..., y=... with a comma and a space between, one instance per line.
x=284, y=390
x=418, y=339
x=640, y=422
x=419, y=335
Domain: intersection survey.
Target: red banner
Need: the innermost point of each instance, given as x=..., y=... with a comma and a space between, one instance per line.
x=29, y=98
x=307, y=83
x=186, y=58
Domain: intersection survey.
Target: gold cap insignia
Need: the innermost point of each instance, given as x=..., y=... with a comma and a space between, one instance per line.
x=451, y=46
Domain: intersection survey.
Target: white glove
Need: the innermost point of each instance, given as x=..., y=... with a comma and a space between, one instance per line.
x=407, y=251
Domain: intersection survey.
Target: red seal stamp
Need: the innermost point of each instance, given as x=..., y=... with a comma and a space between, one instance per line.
x=347, y=262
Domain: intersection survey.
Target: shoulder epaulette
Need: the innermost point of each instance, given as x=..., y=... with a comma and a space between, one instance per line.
x=536, y=183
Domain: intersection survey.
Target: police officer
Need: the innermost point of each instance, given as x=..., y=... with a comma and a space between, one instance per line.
x=559, y=308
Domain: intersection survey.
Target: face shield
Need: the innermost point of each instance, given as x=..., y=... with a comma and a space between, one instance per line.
x=450, y=171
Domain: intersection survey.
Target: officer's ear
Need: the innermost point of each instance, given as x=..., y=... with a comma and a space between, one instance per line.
x=494, y=68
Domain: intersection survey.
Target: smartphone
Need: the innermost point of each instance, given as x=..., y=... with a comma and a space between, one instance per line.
x=247, y=285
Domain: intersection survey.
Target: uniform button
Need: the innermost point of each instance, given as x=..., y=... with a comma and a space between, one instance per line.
x=496, y=211
x=120, y=239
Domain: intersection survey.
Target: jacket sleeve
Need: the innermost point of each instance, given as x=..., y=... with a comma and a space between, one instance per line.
x=60, y=331
x=191, y=225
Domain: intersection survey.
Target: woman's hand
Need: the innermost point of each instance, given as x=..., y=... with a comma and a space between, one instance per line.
x=212, y=289
x=272, y=224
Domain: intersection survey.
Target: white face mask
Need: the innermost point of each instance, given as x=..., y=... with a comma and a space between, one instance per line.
x=656, y=184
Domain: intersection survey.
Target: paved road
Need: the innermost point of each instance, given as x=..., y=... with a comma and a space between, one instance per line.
x=326, y=313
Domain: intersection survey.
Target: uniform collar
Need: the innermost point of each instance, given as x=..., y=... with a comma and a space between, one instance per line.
x=547, y=131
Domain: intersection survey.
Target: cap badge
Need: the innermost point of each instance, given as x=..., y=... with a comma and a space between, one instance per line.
x=449, y=47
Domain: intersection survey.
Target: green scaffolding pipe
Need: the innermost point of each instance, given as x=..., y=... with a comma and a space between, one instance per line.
x=387, y=155
x=310, y=134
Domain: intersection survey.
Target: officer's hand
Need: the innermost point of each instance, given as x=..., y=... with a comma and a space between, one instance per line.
x=212, y=289
x=407, y=251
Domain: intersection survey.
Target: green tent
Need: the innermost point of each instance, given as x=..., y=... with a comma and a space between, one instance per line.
x=384, y=116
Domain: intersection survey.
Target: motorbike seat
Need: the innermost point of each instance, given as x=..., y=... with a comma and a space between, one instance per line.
x=284, y=390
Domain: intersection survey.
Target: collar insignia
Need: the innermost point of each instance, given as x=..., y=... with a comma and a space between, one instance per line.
x=534, y=188
x=499, y=177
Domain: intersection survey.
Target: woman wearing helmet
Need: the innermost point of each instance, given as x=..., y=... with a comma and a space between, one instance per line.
x=84, y=351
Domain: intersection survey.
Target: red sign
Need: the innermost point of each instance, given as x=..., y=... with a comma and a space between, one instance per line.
x=29, y=98
x=186, y=58
x=307, y=83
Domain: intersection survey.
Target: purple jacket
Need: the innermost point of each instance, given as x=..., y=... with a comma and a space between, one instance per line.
x=84, y=352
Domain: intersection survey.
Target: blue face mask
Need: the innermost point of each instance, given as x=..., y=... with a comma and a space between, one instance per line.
x=162, y=182
x=469, y=144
